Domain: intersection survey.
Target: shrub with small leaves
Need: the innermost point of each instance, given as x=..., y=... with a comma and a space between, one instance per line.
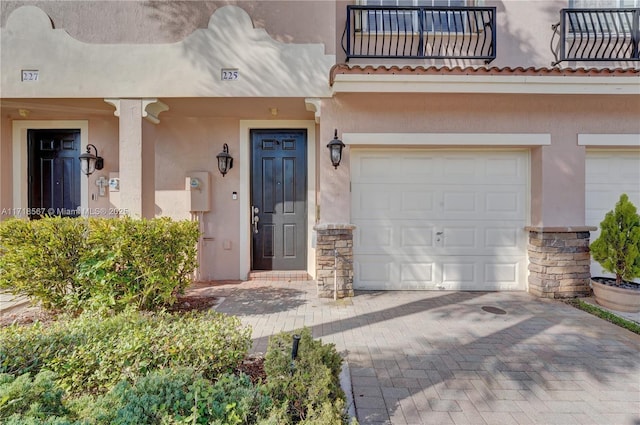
x=307, y=389
x=92, y=353
x=179, y=396
x=40, y=258
x=144, y=263
x=75, y=264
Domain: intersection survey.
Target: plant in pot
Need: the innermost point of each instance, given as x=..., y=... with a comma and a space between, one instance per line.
x=617, y=250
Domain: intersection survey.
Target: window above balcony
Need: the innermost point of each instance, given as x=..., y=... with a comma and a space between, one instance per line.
x=420, y=29
x=599, y=30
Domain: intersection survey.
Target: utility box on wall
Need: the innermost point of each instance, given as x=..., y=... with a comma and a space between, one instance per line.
x=198, y=185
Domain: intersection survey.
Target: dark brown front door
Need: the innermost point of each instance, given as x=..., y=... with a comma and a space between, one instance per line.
x=54, y=172
x=279, y=202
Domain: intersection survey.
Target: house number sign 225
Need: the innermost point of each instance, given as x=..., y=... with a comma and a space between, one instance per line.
x=230, y=74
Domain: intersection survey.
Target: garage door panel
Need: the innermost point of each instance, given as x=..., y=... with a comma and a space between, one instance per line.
x=379, y=203
x=607, y=167
x=373, y=269
x=417, y=275
x=458, y=225
x=456, y=274
x=459, y=202
x=456, y=166
x=410, y=236
x=417, y=201
x=440, y=273
x=503, y=237
x=417, y=236
x=505, y=169
x=608, y=175
x=501, y=273
x=375, y=235
x=439, y=167
x=459, y=237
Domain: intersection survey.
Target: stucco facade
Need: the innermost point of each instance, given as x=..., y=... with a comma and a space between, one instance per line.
x=146, y=84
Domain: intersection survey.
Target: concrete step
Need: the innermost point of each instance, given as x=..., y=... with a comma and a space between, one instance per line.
x=280, y=275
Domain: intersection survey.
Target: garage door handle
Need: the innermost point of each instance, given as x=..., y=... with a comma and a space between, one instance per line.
x=439, y=233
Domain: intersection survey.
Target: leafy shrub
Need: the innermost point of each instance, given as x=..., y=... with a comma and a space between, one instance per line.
x=74, y=264
x=180, y=396
x=308, y=389
x=40, y=258
x=28, y=399
x=167, y=396
x=617, y=249
x=144, y=263
x=92, y=353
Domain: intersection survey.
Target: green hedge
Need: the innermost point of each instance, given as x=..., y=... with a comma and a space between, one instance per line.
x=170, y=393
x=92, y=353
x=40, y=258
x=75, y=263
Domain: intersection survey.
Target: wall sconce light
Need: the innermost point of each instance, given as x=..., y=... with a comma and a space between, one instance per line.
x=335, y=150
x=90, y=162
x=225, y=161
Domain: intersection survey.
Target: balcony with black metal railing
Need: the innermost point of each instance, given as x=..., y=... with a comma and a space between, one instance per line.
x=420, y=32
x=597, y=35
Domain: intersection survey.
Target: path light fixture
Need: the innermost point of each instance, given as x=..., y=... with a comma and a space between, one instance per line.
x=225, y=161
x=335, y=150
x=90, y=162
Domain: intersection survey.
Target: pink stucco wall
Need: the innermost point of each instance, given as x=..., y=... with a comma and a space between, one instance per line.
x=171, y=21
x=557, y=170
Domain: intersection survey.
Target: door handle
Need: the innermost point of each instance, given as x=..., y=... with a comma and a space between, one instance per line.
x=255, y=218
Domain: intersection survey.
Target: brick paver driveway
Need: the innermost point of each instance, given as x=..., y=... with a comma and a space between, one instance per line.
x=440, y=358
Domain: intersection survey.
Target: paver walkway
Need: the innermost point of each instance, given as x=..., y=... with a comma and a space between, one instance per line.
x=439, y=358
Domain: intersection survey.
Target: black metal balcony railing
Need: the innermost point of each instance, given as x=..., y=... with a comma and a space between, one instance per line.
x=420, y=32
x=598, y=35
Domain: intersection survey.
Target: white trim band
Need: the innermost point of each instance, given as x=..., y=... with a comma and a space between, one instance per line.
x=609, y=140
x=448, y=139
x=398, y=83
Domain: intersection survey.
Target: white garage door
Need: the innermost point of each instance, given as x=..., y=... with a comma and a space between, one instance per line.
x=608, y=175
x=439, y=219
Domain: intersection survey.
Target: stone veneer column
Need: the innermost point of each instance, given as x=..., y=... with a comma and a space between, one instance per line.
x=332, y=238
x=559, y=261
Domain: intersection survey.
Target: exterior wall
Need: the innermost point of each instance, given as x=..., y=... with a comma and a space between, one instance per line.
x=190, y=67
x=142, y=22
x=6, y=193
x=102, y=130
x=191, y=144
x=284, y=50
x=557, y=169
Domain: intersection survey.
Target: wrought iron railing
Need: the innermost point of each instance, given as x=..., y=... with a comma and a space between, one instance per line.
x=420, y=32
x=598, y=35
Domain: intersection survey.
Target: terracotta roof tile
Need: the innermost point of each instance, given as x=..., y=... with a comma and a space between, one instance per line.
x=343, y=68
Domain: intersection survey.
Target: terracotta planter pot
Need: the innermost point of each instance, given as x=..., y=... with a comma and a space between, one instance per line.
x=615, y=298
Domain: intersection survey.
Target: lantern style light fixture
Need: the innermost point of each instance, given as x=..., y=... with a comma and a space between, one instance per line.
x=90, y=162
x=225, y=161
x=335, y=150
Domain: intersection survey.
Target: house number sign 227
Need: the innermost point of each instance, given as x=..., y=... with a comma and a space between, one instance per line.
x=30, y=74
x=230, y=74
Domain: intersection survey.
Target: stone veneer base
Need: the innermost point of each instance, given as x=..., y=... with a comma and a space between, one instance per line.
x=559, y=261
x=332, y=239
